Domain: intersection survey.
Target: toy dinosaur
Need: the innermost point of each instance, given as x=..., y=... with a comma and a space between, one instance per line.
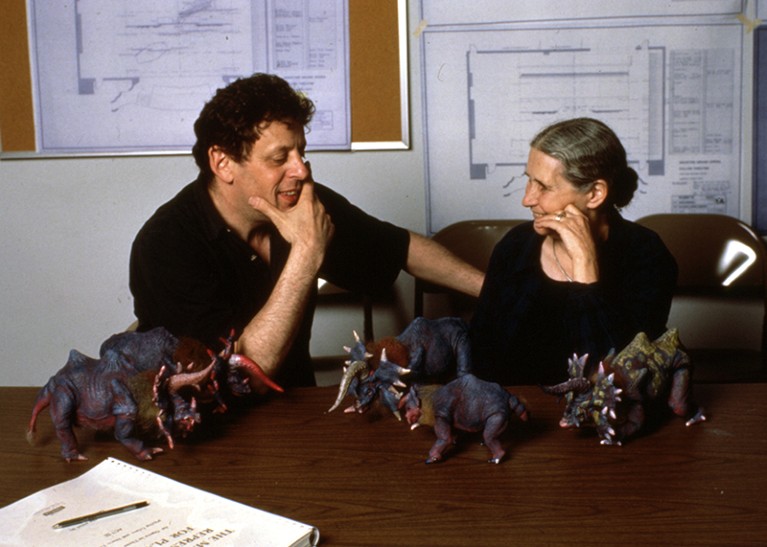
x=428, y=350
x=617, y=398
x=466, y=404
x=139, y=388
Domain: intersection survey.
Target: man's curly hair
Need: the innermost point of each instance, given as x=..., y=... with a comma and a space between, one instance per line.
x=230, y=120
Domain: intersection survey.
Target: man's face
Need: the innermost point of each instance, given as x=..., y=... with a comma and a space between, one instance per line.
x=275, y=168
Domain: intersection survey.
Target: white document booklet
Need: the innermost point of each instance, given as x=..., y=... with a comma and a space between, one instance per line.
x=118, y=504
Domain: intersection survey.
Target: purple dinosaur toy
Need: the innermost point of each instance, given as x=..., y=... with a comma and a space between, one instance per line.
x=467, y=404
x=428, y=350
x=139, y=388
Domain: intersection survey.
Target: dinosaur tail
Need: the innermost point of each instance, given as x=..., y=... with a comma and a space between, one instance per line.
x=518, y=408
x=42, y=401
x=239, y=360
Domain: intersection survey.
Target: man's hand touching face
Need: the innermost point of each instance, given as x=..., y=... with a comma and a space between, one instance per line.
x=305, y=225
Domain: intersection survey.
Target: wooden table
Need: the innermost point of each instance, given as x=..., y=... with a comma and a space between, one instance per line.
x=361, y=479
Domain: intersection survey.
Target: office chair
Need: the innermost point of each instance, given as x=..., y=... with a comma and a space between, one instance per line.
x=329, y=294
x=473, y=241
x=722, y=269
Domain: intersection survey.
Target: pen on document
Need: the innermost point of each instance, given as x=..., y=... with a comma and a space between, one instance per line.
x=101, y=514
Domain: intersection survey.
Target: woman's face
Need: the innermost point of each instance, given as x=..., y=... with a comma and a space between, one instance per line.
x=548, y=191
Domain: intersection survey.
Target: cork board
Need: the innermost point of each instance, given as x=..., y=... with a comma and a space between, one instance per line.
x=377, y=69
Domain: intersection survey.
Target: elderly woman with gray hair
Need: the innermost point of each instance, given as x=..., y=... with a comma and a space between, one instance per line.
x=579, y=278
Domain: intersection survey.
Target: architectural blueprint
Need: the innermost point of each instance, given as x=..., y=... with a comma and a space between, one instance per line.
x=115, y=76
x=668, y=81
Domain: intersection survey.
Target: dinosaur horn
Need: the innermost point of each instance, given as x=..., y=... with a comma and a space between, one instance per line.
x=354, y=369
x=240, y=360
x=578, y=385
x=183, y=379
x=228, y=349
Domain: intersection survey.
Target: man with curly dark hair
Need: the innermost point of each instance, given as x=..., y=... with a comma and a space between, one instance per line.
x=243, y=245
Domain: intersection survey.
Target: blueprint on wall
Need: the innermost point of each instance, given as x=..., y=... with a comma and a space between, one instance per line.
x=115, y=76
x=668, y=82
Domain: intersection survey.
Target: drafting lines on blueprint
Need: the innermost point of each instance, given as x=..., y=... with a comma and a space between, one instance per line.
x=672, y=93
x=144, y=68
x=556, y=83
